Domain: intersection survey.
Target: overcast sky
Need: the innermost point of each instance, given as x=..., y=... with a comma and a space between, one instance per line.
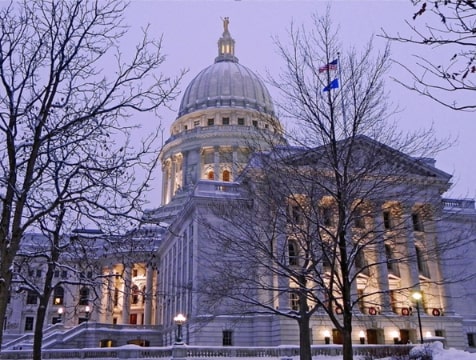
x=191, y=29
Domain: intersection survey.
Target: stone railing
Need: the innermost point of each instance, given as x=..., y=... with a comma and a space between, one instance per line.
x=458, y=204
x=194, y=352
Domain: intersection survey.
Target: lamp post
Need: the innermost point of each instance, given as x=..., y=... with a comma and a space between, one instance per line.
x=179, y=321
x=362, y=337
x=327, y=337
x=396, y=338
x=60, y=314
x=417, y=297
x=87, y=310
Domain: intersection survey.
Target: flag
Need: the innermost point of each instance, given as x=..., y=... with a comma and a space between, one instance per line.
x=334, y=84
x=330, y=66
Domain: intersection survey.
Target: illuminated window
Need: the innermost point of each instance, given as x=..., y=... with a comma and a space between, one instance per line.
x=226, y=175
x=211, y=175
x=58, y=296
x=135, y=294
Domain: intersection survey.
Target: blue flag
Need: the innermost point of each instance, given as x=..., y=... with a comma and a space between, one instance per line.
x=333, y=85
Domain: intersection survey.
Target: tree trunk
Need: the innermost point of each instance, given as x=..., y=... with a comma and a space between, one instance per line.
x=304, y=339
x=347, y=350
x=40, y=322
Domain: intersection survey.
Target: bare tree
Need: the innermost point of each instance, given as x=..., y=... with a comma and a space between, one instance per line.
x=320, y=226
x=68, y=94
x=447, y=74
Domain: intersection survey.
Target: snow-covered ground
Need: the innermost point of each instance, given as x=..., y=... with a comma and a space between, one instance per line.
x=435, y=348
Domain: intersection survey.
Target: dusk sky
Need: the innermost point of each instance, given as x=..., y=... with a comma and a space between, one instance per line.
x=191, y=29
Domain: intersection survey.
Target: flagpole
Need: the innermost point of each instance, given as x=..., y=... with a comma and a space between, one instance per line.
x=342, y=94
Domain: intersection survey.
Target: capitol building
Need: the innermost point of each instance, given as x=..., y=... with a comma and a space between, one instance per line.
x=225, y=140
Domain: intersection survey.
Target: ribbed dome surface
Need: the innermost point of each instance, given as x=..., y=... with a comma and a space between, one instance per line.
x=226, y=83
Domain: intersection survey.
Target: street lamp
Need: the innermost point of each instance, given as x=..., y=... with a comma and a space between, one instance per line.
x=417, y=296
x=179, y=320
x=395, y=336
x=60, y=314
x=87, y=310
x=327, y=337
x=362, y=337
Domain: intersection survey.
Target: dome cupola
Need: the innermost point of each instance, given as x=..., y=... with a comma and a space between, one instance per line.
x=226, y=83
x=226, y=114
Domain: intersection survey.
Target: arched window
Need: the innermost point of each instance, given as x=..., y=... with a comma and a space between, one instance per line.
x=211, y=175
x=58, y=296
x=84, y=296
x=293, y=253
x=226, y=175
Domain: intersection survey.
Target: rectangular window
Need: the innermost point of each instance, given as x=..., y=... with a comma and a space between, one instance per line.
x=241, y=121
x=29, y=323
x=326, y=214
x=295, y=215
x=89, y=274
x=227, y=338
x=116, y=297
x=417, y=222
x=64, y=274
x=421, y=262
x=392, y=264
x=211, y=122
x=255, y=123
x=226, y=121
x=38, y=273
x=294, y=301
x=57, y=273
x=471, y=340
x=196, y=123
x=31, y=298
x=359, y=219
x=135, y=272
x=185, y=127
x=387, y=221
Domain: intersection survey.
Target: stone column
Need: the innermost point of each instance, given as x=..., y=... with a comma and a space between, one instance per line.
x=148, y=295
x=126, y=295
x=234, y=165
x=216, y=160
x=382, y=269
x=411, y=264
x=106, y=304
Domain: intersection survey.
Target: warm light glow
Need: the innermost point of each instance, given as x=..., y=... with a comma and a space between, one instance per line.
x=361, y=334
x=395, y=334
x=87, y=309
x=60, y=310
x=327, y=333
x=428, y=334
x=179, y=319
x=417, y=295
